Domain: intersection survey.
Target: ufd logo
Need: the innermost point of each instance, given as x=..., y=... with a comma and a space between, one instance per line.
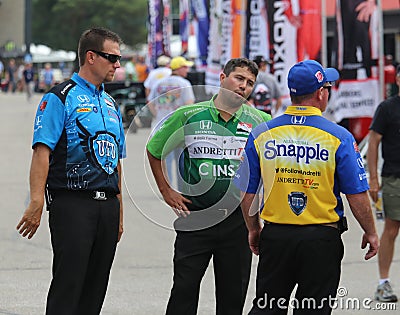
x=297, y=202
x=105, y=150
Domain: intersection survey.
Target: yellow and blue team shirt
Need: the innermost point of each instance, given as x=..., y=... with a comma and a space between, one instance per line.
x=303, y=162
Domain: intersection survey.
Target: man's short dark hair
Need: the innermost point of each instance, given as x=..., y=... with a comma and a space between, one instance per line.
x=232, y=64
x=298, y=99
x=94, y=39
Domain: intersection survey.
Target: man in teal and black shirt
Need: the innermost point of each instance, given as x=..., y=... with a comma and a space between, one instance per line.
x=210, y=224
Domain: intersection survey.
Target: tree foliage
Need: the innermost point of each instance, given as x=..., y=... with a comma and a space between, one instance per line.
x=59, y=23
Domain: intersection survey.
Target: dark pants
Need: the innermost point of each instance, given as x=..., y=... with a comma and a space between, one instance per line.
x=309, y=256
x=84, y=235
x=227, y=244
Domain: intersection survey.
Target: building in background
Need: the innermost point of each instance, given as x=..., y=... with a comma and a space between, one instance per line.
x=12, y=26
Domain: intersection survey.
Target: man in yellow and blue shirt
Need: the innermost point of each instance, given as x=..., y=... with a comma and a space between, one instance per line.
x=304, y=163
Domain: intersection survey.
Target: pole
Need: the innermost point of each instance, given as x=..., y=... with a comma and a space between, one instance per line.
x=323, y=41
x=380, y=51
x=28, y=25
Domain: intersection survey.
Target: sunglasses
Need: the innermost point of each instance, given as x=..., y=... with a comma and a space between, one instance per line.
x=328, y=87
x=110, y=57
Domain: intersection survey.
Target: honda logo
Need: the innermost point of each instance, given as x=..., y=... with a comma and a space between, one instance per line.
x=205, y=124
x=83, y=98
x=298, y=120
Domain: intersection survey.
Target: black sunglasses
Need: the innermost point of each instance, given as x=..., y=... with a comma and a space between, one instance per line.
x=328, y=87
x=110, y=57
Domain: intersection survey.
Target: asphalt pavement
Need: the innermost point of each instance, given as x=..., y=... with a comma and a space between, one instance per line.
x=141, y=276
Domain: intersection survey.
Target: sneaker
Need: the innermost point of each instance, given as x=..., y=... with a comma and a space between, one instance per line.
x=384, y=293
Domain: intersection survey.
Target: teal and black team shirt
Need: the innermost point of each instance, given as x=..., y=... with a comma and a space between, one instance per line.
x=212, y=150
x=83, y=128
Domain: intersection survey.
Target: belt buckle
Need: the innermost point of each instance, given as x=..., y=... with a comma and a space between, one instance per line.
x=100, y=195
x=225, y=211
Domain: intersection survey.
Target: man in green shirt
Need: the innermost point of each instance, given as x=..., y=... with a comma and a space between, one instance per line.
x=212, y=135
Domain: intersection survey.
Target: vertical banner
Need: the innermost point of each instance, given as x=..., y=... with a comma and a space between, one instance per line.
x=154, y=31
x=159, y=30
x=355, y=55
x=294, y=33
x=257, y=34
x=184, y=25
x=282, y=43
x=226, y=31
x=238, y=16
x=200, y=9
x=305, y=16
x=215, y=43
x=166, y=28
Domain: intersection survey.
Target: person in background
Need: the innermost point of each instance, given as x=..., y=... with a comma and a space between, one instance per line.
x=266, y=95
x=158, y=73
x=210, y=223
x=389, y=77
x=165, y=97
x=385, y=129
x=78, y=142
x=1, y=76
x=130, y=70
x=48, y=77
x=29, y=83
x=141, y=69
x=11, y=73
x=304, y=163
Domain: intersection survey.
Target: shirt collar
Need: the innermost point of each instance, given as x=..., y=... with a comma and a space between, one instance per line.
x=87, y=85
x=303, y=110
x=215, y=112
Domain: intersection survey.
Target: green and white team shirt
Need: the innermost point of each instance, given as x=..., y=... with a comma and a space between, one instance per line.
x=212, y=150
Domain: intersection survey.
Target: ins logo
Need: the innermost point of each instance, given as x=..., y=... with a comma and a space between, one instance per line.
x=297, y=202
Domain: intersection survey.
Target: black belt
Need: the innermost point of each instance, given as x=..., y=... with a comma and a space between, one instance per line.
x=341, y=225
x=99, y=195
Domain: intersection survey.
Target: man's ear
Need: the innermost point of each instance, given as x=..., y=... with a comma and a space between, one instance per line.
x=222, y=76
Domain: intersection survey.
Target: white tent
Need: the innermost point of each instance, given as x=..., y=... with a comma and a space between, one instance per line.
x=42, y=54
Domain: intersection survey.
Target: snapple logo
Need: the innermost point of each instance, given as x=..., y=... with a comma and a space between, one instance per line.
x=300, y=152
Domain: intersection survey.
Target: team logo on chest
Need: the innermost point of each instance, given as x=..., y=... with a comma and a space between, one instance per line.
x=101, y=149
x=297, y=202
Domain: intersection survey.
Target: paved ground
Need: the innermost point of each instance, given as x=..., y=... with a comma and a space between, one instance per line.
x=141, y=275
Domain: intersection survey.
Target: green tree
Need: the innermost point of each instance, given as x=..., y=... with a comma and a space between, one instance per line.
x=59, y=23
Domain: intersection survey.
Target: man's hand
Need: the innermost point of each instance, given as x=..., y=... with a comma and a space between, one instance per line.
x=373, y=241
x=254, y=241
x=365, y=10
x=177, y=202
x=373, y=189
x=30, y=220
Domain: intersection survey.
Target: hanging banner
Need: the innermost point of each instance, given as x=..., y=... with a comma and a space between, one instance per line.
x=201, y=23
x=257, y=35
x=355, y=55
x=216, y=44
x=238, y=17
x=282, y=44
x=166, y=28
x=353, y=97
x=159, y=30
x=154, y=35
x=226, y=31
x=184, y=25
